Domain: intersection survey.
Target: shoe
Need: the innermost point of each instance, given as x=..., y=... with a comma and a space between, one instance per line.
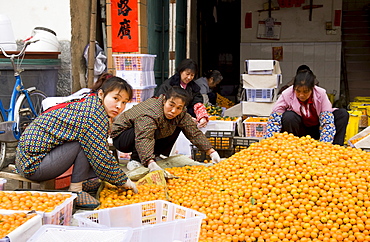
x=85, y=200
x=91, y=185
x=132, y=164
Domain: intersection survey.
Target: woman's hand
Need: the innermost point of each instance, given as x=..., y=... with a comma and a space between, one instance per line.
x=214, y=155
x=153, y=166
x=130, y=185
x=202, y=123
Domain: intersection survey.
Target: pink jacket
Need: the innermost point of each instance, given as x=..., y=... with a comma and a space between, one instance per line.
x=288, y=101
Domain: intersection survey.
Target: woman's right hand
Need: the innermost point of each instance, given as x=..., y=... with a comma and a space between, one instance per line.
x=130, y=185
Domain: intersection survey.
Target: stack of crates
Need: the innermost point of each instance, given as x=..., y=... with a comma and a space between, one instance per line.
x=221, y=141
x=260, y=86
x=138, y=71
x=261, y=81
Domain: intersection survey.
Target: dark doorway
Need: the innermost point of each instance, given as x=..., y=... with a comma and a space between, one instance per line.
x=219, y=42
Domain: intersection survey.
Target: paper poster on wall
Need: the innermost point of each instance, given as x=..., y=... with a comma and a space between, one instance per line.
x=125, y=37
x=268, y=30
x=277, y=53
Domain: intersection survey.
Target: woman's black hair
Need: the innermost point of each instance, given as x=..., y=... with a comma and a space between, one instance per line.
x=178, y=92
x=108, y=83
x=302, y=68
x=187, y=64
x=304, y=78
x=217, y=77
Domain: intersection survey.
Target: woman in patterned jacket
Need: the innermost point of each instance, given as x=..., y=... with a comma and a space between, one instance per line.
x=75, y=133
x=304, y=109
x=148, y=128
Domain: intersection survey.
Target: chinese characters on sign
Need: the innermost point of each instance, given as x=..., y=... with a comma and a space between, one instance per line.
x=124, y=26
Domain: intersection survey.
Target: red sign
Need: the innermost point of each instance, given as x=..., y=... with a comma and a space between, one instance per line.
x=248, y=20
x=337, y=17
x=125, y=37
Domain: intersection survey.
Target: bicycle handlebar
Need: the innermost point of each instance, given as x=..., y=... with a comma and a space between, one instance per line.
x=12, y=56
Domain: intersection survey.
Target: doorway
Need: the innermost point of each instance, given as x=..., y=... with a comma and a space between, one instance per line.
x=219, y=42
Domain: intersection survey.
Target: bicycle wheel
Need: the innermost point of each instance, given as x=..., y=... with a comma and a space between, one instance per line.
x=23, y=114
x=2, y=149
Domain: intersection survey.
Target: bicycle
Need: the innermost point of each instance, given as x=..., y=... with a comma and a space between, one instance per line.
x=25, y=105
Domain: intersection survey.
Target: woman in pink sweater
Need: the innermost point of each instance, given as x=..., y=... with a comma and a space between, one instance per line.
x=304, y=109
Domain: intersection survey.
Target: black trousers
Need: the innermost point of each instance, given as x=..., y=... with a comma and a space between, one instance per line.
x=125, y=142
x=292, y=123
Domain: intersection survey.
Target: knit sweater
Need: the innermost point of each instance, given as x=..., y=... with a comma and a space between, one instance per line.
x=150, y=124
x=84, y=121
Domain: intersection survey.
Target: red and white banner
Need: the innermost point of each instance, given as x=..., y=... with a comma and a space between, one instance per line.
x=125, y=36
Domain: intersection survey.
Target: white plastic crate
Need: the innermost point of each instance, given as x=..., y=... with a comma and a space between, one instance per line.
x=156, y=221
x=363, y=139
x=57, y=233
x=221, y=125
x=24, y=231
x=61, y=215
x=254, y=129
x=141, y=94
x=260, y=94
x=262, y=67
x=134, y=62
x=137, y=78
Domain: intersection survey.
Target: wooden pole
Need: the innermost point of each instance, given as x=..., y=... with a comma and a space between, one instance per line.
x=91, y=57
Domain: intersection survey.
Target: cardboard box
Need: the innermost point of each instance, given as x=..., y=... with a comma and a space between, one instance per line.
x=262, y=67
x=261, y=81
x=234, y=111
x=257, y=109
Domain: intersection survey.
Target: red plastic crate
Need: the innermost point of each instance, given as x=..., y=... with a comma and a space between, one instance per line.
x=64, y=180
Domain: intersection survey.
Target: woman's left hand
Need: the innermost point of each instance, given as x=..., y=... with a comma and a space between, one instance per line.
x=202, y=123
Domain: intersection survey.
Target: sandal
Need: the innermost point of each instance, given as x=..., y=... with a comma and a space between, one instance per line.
x=91, y=185
x=85, y=200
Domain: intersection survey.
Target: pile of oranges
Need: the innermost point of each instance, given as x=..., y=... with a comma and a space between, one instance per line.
x=283, y=188
x=43, y=202
x=9, y=222
x=113, y=196
x=224, y=102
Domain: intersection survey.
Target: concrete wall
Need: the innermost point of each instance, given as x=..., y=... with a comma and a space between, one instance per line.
x=52, y=14
x=303, y=41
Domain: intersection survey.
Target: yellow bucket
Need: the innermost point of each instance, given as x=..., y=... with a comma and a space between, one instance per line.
x=362, y=99
x=355, y=105
x=331, y=97
x=353, y=123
